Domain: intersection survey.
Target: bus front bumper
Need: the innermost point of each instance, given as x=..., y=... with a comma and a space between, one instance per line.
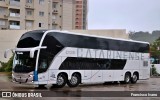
x=22, y=78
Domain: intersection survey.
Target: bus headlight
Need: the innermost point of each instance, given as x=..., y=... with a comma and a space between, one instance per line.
x=12, y=75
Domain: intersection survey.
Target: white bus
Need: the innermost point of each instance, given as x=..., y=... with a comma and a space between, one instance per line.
x=45, y=57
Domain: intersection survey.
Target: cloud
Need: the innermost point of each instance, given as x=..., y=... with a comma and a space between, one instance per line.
x=138, y=15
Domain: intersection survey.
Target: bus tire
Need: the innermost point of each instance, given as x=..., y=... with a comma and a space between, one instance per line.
x=74, y=81
x=134, y=78
x=61, y=81
x=127, y=78
x=41, y=86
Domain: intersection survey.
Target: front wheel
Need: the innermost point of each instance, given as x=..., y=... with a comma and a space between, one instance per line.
x=61, y=81
x=74, y=81
x=42, y=86
x=134, y=78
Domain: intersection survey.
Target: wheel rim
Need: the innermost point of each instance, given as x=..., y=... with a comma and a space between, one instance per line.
x=60, y=80
x=127, y=78
x=134, y=77
x=74, y=80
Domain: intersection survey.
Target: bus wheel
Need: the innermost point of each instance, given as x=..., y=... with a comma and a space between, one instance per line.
x=42, y=86
x=61, y=81
x=127, y=78
x=74, y=81
x=134, y=78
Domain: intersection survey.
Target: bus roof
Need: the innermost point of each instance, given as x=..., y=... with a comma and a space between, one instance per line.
x=75, y=33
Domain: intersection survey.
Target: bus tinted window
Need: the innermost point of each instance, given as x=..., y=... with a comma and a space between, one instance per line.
x=92, y=64
x=71, y=40
x=48, y=54
x=30, y=39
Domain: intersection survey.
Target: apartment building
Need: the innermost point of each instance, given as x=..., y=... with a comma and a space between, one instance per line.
x=43, y=14
x=81, y=14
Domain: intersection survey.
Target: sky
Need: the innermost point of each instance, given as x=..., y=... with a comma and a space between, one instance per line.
x=132, y=15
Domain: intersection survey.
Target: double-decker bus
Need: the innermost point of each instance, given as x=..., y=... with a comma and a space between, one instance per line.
x=45, y=57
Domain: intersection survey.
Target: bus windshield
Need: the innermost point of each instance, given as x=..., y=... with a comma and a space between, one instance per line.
x=23, y=63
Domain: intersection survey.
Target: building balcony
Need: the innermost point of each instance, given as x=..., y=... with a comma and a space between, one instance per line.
x=13, y=18
x=54, y=22
x=55, y=11
x=3, y=16
x=31, y=18
x=3, y=27
x=29, y=27
x=3, y=4
x=14, y=26
x=15, y=3
x=55, y=1
x=14, y=15
x=29, y=6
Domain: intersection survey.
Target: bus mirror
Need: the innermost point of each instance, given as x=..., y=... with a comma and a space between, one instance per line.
x=34, y=49
x=6, y=52
x=32, y=53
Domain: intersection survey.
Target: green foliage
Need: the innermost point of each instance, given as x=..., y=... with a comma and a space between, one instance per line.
x=7, y=66
x=155, y=52
x=153, y=38
x=154, y=71
x=2, y=69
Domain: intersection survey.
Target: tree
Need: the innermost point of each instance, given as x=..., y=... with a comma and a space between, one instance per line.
x=155, y=49
x=154, y=71
x=7, y=66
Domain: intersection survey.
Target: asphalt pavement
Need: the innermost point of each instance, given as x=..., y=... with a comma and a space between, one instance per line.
x=151, y=85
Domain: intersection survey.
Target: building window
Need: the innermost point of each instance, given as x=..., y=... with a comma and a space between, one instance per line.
x=41, y=13
x=15, y=0
x=15, y=23
x=79, y=2
x=2, y=22
x=29, y=1
x=41, y=2
x=40, y=24
x=54, y=5
x=2, y=10
x=29, y=12
x=54, y=27
x=54, y=17
x=29, y=24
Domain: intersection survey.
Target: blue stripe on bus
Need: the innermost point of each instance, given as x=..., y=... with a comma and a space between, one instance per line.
x=35, y=78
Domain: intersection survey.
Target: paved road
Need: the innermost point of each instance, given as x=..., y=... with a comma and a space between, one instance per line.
x=153, y=84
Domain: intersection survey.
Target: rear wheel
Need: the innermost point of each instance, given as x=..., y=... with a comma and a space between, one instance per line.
x=134, y=78
x=61, y=81
x=74, y=81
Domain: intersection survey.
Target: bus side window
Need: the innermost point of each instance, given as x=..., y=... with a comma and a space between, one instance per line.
x=43, y=64
x=108, y=64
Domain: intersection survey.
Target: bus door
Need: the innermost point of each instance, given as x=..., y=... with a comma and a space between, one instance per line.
x=42, y=73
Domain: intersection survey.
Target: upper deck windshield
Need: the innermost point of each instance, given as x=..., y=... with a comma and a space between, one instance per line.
x=30, y=39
